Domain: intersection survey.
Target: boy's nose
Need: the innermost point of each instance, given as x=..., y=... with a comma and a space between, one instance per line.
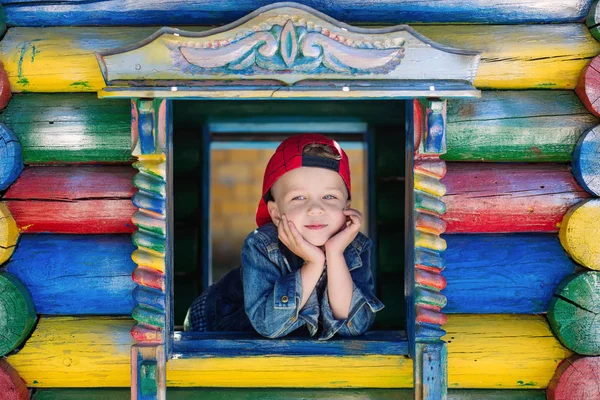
x=315, y=208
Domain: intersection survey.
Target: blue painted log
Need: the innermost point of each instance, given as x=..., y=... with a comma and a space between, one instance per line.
x=76, y=274
x=159, y=12
x=586, y=161
x=11, y=158
x=230, y=344
x=91, y=274
x=507, y=273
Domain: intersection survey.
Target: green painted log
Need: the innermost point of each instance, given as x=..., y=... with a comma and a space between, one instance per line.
x=17, y=314
x=504, y=126
x=74, y=128
x=532, y=126
x=593, y=20
x=574, y=313
x=288, y=394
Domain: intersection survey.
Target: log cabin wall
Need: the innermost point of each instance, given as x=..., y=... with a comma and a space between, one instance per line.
x=522, y=187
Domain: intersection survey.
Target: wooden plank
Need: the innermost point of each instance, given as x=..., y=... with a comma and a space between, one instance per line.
x=81, y=199
x=235, y=344
x=520, y=352
x=514, y=273
x=508, y=197
x=513, y=57
x=173, y=57
x=291, y=394
x=526, y=126
x=111, y=12
x=76, y=274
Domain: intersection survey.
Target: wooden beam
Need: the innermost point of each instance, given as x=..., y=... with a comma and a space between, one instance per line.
x=82, y=199
x=511, y=273
x=495, y=198
x=155, y=12
x=513, y=57
x=520, y=352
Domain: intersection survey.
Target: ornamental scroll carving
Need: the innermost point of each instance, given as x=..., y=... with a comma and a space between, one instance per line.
x=281, y=45
x=290, y=47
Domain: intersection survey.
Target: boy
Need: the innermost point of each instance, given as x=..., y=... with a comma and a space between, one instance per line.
x=307, y=263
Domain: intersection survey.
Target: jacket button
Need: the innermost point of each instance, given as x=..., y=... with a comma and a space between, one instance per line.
x=349, y=324
x=284, y=299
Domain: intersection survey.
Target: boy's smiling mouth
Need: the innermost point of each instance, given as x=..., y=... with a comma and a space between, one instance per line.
x=315, y=226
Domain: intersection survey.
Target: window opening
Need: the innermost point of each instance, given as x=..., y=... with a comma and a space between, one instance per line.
x=226, y=146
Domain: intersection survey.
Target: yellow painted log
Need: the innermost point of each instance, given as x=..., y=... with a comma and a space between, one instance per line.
x=493, y=351
x=514, y=57
x=501, y=351
x=9, y=233
x=580, y=231
x=522, y=56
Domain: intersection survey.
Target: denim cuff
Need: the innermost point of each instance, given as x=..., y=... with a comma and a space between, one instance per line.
x=288, y=291
x=350, y=326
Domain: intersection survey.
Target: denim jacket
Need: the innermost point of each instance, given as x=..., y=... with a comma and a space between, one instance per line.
x=272, y=291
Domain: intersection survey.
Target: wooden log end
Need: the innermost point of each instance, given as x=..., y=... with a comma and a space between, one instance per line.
x=5, y=93
x=17, y=313
x=9, y=233
x=12, y=386
x=576, y=378
x=579, y=233
x=586, y=162
x=593, y=20
x=573, y=310
x=588, y=86
x=11, y=158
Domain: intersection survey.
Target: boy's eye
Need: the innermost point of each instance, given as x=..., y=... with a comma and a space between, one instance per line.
x=329, y=197
x=298, y=198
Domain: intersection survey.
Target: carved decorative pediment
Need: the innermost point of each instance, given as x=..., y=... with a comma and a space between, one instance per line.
x=283, y=46
x=286, y=43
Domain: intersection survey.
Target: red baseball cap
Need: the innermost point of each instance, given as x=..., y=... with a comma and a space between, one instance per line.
x=288, y=156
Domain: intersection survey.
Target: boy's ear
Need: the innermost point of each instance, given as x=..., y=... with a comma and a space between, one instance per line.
x=274, y=212
x=348, y=203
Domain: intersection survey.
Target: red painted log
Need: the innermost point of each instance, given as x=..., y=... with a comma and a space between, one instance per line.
x=588, y=86
x=12, y=387
x=483, y=197
x=73, y=199
x=576, y=378
x=4, y=88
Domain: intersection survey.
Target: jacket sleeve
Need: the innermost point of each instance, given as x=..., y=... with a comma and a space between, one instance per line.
x=271, y=298
x=363, y=305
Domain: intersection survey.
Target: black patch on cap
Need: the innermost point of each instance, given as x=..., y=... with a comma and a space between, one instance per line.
x=321, y=162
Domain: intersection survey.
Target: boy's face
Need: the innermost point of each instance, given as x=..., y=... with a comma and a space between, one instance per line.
x=313, y=199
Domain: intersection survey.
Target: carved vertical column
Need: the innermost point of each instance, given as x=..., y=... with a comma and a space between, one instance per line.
x=430, y=351
x=151, y=132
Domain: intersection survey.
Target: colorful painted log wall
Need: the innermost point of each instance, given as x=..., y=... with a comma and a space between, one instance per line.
x=510, y=126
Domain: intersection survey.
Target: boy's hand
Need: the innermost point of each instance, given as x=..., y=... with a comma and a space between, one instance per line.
x=289, y=235
x=338, y=242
